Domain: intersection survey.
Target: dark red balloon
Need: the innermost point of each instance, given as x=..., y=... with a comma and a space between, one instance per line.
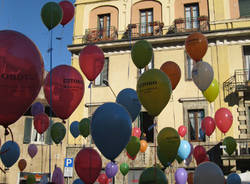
x=88, y=165
x=21, y=75
x=208, y=125
x=91, y=61
x=68, y=12
x=67, y=90
x=182, y=130
x=41, y=122
x=130, y=157
x=200, y=154
x=223, y=119
x=103, y=179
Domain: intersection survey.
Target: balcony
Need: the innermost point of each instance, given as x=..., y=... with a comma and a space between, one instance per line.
x=96, y=34
x=239, y=82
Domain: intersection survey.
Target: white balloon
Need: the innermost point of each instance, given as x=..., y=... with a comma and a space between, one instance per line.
x=202, y=75
x=208, y=173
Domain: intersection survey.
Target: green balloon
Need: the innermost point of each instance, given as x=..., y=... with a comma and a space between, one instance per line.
x=230, y=144
x=133, y=146
x=58, y=132
x=31, y=179
x=153, y=175
x=142, y=53
x=51, y=14
x=124, y=168
x=168, y=144
x=179, y=159
x=84, y=126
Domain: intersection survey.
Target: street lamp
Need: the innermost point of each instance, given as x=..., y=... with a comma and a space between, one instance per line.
x=107, y=84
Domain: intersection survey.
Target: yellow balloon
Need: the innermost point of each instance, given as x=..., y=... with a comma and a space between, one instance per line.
x=154, y=90
x=212, y=91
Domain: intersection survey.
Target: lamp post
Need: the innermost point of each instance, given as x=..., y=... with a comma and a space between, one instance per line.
x=107, y=84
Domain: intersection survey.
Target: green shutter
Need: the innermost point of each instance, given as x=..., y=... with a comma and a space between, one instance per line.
x=48, y=139
x=244, y=8
x=27, y=130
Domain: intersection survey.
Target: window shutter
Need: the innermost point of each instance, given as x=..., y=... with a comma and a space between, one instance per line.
x=48, y=139
x=27, y=130
x=105, y=70
x=244, y=6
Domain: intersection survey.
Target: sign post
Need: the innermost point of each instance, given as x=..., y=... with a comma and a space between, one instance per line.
x=68, y=167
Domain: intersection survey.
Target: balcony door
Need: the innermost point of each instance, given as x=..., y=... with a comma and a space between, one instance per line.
x=195, y=117
x=191, y=16
x=104, y=26
x=146, y=22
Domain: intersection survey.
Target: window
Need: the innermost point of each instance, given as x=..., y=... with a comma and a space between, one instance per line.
x=244, y=6
x=134, y=175
x=189, y=67
x=194, y=125
x=31, y=135
x=146, y=123
x=246, y=50
x=104, y=26
x=149, y=66
x=103, y=75
x=146, y=19
x=191, y=16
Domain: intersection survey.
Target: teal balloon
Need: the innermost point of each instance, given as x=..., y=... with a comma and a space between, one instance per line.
x=124, y=168
x=74, y=129
x=58, y=132
x=184, y=149
x=51, y=14
x=9, y=153
x=84, y=127
x=133, y=146
x=142, y=53
x=153, y=175
x=78, y=181
x=31, y=179
x=230, y=144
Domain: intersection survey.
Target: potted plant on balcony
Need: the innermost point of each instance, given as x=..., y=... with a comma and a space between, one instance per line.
x=203, y=18
x=179, y=21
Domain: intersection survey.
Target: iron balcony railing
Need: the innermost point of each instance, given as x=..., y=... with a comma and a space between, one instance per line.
x=240, y=81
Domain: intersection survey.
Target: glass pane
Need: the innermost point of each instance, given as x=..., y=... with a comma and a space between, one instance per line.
x=189, y=67
x=200, y=116
x=195, y=16
x=108, y=26
x=98, y=80
x=143, y=23
x=150, y=19
x=192, y=127
x=244, y=6
x=188, y=17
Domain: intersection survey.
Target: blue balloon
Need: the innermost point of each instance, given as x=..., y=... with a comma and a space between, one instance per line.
x=74, y=129
x=233, y=178
x=78, y=181
x=129, y=99
x=10, y=153
x=184, y=149
x=111, y=129
x=37, y=108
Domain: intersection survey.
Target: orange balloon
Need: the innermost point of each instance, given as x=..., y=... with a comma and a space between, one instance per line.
x=173, y=71
x=144, y=146
x=22, y=164
x=190, y=178
x=196, y=46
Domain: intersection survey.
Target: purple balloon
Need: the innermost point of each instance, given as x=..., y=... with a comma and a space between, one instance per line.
x=57, y=176
x=188, y=160
x=32, y=150
x=111, y=169
x=37, y=108
x=181, y=176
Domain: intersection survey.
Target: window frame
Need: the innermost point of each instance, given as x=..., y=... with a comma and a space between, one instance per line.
x=194, y=20
x=140, y=122
x=104, y=33
x=101, y=74
x=148, y=26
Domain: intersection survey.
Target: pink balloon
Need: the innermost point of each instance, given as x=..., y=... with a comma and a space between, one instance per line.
x=182, y=130
x=136, y=132
x=223, y=119
x=57, y=176
x=208, y=125
x=32, y=150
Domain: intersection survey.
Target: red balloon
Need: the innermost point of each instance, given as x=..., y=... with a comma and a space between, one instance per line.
x=21, y=75
x=102, y=179
x=91, y=61
x=41, y=122
x=88, y=165
x=223, y=119
x=208, y=125
x=200, y=154
x=110, y=180
x=68, y=11
x=136, y=132
x=67, y=90
x=182, y=130
x=130, y=157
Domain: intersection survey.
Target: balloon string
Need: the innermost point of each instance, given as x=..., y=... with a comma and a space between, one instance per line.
x=90, y=107
x=173, y=109
x=155, y=139
x=2, y=170
x=7, y=132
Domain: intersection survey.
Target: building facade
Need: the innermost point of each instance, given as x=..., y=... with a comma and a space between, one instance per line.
x=115, y=25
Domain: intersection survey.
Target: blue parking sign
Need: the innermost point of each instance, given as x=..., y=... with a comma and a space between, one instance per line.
x=68, y=162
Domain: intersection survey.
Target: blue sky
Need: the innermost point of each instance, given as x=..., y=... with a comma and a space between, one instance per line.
x=24, y=16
